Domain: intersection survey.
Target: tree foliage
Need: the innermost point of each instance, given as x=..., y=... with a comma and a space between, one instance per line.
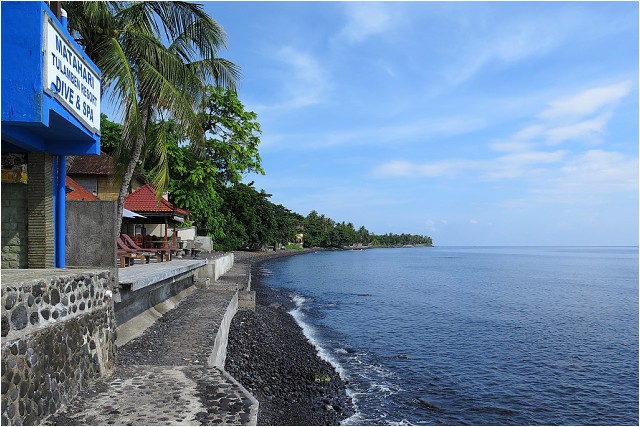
x=202, y=174
x=252, y=221
x=233, y=135
x=390, y=240
x=321, y=231
x=110, y=135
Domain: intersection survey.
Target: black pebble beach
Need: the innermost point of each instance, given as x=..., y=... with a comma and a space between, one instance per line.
x=270, y=356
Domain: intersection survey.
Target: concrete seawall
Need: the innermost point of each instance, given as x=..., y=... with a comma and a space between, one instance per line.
x=146, y=293
x=219, y=353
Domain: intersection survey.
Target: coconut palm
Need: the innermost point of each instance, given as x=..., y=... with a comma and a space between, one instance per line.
x=156, y=60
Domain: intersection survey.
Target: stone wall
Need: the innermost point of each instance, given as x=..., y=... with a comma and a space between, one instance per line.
x=14, y=225
x=58, y=332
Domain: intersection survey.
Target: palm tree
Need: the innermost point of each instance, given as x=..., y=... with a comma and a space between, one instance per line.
x=157, y=59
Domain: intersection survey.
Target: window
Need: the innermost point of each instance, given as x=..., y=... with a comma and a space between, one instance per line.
x=89, y=182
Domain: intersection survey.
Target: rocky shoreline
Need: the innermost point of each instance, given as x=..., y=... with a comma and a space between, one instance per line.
x=270, y=356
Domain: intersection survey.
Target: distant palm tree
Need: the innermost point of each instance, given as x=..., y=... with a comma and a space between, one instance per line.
x=156, y=60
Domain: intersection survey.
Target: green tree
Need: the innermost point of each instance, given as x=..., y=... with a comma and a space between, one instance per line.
x=110, y=135
x=193, y=184
x=250, y=218
x=233, y=135
x=363, y=236
x=148, y=78
x=199, y=173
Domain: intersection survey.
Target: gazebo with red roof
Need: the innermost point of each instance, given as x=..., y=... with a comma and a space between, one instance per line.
x=145, y=202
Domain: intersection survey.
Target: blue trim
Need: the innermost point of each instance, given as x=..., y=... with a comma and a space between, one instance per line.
x=32, y=119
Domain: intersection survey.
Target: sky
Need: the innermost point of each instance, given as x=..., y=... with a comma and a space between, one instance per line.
x=474, y=123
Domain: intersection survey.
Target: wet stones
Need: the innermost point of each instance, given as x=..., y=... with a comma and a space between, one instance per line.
x=269, y=355
x=5, y=326
x=10, y=301
x=19, y=318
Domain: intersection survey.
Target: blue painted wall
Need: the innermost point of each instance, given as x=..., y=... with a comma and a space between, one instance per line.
x=32, y=120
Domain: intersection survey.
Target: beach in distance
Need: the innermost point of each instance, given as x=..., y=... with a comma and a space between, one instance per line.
x=459, y=335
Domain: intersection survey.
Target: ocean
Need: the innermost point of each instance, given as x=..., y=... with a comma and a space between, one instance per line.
x=474, y=335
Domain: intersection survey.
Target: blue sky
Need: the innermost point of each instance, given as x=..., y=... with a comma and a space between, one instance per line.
x=475, y=123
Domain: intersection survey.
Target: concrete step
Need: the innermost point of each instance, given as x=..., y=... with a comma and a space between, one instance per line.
x=162, y=395
x=203, y=283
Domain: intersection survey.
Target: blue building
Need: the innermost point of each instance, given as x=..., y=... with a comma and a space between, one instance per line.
x=50, y=109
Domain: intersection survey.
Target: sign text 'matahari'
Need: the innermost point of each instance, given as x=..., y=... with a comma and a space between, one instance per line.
x=70, y=79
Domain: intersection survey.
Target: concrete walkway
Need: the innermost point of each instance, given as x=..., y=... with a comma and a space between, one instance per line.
x=173, y=373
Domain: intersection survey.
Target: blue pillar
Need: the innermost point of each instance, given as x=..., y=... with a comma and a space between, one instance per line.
x=60, y=214
x=61, y=197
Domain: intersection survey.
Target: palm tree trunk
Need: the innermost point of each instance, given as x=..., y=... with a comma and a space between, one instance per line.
x=126, y=180
x=131, y=166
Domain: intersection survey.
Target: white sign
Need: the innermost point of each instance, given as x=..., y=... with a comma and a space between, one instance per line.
x=69, y=78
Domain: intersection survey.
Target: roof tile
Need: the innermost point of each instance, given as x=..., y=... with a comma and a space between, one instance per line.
x=144, y=200
x=78, y=192
x=92, y=165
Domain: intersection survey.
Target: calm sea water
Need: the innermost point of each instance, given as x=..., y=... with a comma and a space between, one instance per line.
x=500, y=336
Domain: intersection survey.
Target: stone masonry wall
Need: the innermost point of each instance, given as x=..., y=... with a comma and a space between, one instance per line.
x=14, y=225
x=57, y=334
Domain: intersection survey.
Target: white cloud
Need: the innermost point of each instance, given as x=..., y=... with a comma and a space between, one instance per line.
x=519, y=164
x=409, y=132
x=304, y=80
x=584, y=130
x=596, y=172
x=529, y=132
x=512, y=42
x=445, y=168
x=581, y=117
x=591, y=178
x=364, y=21
x=587, y=102
x=509, y=166
x=511, y=146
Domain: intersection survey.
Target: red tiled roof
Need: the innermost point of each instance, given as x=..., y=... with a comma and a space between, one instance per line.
x=182, y=211
x=78, y=192
x=92, y=165
x=144, y=200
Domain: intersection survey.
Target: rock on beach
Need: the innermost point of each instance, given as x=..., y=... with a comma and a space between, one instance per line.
x=270, y=356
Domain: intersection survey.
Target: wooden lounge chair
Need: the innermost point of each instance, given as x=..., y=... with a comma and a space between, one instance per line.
x=134, y=253
x=160, y=253
x=125, y=258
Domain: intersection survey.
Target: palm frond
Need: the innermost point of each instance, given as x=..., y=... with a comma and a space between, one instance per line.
x=156, y=151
